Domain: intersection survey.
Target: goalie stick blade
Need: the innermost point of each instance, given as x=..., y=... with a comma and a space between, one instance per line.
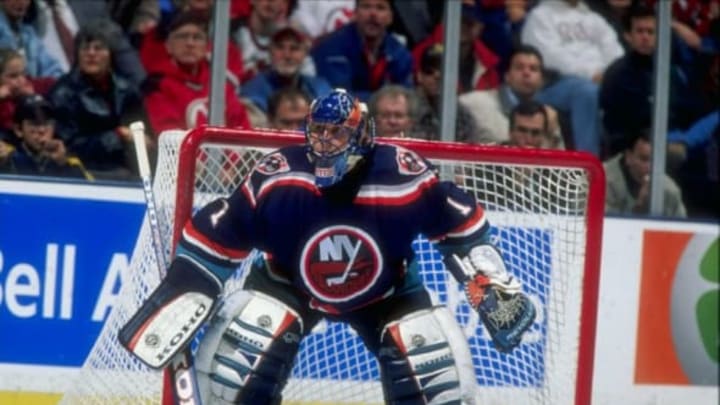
x=157, y=332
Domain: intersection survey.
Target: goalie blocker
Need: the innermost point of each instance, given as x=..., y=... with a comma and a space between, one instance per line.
x=495, y=294
x=169, y=319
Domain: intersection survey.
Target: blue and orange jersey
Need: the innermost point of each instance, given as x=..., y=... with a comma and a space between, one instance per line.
x=345, y=246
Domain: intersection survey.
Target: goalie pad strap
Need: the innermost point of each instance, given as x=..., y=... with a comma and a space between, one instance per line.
x=168, y=320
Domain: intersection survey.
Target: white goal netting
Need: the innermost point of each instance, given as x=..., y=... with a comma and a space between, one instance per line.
x=547, y=211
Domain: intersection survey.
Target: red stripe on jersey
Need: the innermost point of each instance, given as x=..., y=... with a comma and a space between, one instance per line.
x=214, y=248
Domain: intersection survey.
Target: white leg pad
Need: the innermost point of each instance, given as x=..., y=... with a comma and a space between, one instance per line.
x=247, y=352
x=426, y=359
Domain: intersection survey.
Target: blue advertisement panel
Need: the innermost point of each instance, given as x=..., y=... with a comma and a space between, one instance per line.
x=62, y=253
x=60, y=263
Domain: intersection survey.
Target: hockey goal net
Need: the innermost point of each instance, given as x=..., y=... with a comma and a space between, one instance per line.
x=547, y=209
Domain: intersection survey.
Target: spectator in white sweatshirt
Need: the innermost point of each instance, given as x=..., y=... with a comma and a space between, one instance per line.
x=319, y=18
x=573, y=39
x=577, y=45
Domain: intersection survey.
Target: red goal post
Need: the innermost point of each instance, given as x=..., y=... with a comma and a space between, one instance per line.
x=546, y=206
x=455, y=151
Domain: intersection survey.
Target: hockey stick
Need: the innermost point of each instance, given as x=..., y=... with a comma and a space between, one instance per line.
x=179, y=373
x=138, y=132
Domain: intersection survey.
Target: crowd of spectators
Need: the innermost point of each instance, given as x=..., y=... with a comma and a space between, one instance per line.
x=561, y=74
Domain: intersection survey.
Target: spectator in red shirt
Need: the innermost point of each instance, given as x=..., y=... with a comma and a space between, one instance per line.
x=178, y=88
x=153, y=51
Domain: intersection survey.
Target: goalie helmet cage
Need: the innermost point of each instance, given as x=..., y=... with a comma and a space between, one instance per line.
x=547, y=209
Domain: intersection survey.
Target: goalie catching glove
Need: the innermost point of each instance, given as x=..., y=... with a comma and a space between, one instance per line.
x=496, y=295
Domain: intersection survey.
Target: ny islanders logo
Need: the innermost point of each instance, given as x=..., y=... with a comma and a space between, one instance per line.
x=409, y=163
x=271, y=164
x=340, y=263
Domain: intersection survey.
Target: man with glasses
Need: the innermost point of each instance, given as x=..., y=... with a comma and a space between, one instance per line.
x=178, y=88
x=393, y=108
x=529, y=127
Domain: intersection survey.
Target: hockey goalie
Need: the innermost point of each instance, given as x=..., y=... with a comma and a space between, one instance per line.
x=335, y=219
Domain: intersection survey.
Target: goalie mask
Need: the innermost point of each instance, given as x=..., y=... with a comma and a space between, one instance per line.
x=338, y=136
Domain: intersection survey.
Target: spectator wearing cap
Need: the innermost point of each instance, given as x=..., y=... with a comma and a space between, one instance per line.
x=478, y=65
x=363, y=56
x=288, y=49
x=39, y=152
x=177, y=90
x=95, y=106
x=427, y=125
x=16, y=33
